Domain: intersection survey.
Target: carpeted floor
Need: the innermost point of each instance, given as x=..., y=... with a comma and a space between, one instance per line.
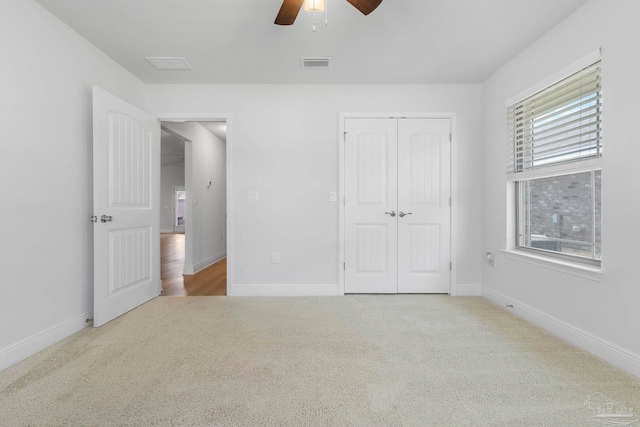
x=343, y=361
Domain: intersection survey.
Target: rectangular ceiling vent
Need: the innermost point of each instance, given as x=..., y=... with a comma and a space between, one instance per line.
x=315, y=62
x=168, y=62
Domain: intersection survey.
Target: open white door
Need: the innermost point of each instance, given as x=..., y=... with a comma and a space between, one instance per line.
x=126, y=173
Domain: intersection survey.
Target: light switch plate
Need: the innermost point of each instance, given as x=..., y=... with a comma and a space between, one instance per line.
x=333, y=196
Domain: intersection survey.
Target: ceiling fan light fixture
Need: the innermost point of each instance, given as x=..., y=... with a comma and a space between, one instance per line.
x=314, y=5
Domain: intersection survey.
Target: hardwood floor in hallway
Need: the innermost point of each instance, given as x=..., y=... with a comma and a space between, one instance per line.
x=208, y=282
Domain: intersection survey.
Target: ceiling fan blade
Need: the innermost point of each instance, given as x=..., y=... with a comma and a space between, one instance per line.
x=288, y=12
x=365, y=6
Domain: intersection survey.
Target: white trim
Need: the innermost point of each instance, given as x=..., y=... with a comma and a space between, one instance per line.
x=572, y=68
x=396, y=115
x=612, y=353
x=203, y=117
x=341, y=198
x=453, y=191
x=454, y=187
x=468, y=290
x=283, y=290
x=193, y=269
x=562, y=169
x=189, y=238
x=192, y=117
x=163, y=230
x=28, y=347
x=584, y=271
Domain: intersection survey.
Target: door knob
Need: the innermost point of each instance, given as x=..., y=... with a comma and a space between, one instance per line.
x=392, y=213
x=402, y=214
x=106, y=218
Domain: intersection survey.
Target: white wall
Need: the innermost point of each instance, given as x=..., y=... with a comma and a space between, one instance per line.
x=283, y=143
x=285, y=147
x=205, y=209
x=45, y=162
x=170, y=176
x=600, y=316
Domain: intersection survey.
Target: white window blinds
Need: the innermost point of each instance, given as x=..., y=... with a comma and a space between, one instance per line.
x=560, y=124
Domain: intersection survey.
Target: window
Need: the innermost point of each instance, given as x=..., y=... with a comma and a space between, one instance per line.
x=554, y=159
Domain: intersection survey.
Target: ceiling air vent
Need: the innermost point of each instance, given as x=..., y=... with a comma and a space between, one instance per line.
x=168, y=62
x=315, y=62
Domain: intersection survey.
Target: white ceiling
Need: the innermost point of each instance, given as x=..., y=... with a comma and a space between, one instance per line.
x=234, y=41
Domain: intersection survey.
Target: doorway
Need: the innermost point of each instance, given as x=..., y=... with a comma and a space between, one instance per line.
x=179, y=218
x=397, y=210
x=194, y=254
x=211, y=281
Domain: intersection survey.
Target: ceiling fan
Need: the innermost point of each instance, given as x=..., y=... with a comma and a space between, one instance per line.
x=290, y=8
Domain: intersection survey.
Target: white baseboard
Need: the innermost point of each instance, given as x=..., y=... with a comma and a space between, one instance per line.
x=168, y=230
x=189, y=270
x=17, y=352
x=468, y=290
x=283, y=290
x=612, y=353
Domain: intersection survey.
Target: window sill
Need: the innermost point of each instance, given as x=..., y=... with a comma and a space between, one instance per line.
x=586, y=272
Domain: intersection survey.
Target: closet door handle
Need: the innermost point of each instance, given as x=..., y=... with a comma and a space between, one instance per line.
x=392, y=213
x=402, y=214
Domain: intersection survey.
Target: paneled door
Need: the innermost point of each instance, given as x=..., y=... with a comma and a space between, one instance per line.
x=424, y=218
x=371, y=199
x=397, y=205
x=126, y=162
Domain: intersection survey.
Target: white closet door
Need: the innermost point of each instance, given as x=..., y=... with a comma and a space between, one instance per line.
x=424, y=219
x=370, y=206
x=397, y=205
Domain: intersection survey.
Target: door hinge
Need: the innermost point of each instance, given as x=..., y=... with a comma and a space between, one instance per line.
x=344, y=266
x=449, y=201
x=450, y=266
x=344, y=136
x=344, y=201
x=450, y=137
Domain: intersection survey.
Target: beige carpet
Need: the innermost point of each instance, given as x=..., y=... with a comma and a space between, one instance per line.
x=344, y=361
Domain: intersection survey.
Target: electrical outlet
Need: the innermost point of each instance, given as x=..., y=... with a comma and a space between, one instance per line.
x=252, y=196
x=491, y=259
x=333, y=196
x=275, y=257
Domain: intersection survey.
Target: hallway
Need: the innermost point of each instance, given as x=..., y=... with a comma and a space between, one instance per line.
x=208, y=282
